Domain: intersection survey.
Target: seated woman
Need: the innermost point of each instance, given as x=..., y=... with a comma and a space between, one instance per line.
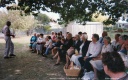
x=61, y=53
x=66, y=44
x=96, y=62
x=83, y=50
x=53, y=46
x=40, y=44
x=71, y=50
x=35, y=43
x=48, y=42
x=32, y=40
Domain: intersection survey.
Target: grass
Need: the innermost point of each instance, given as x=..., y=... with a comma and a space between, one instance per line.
x=27, y=66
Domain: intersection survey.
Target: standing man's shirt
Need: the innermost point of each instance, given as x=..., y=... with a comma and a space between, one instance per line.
x=6, y=31
x=94, y=49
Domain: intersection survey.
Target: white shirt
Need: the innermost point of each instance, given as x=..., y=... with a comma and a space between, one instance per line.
x=94, y=49
x=115, y=44
x=81, y=48
x=48, y=42
x=40, y=40
x=6, y=30
x=107, y=48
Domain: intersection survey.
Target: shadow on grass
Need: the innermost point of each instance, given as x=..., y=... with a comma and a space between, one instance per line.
x=28, y=66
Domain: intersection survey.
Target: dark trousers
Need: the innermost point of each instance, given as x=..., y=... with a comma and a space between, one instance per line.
x=87, y=65
x=81, y=61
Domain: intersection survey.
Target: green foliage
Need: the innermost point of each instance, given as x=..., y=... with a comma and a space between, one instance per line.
x=79, y=10
x=43, y=18
x=18, y=21
x=47, y=28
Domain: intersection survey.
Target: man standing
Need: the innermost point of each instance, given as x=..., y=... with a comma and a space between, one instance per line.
x=9, y=47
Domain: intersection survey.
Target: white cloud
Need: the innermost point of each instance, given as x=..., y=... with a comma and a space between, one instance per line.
x=51, y=15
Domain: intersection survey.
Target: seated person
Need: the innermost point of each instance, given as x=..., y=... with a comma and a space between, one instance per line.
x=93, y=51
x=126, y=47
x=32, y=40
x=53, y=36
x=96, y=62
x=115, y=44
x=35, y=43
x=122, y=40
x=55, y=45
x=61, y=53
x=83, y=49
x=66, y=44
x=71, y=50
x=101, y=38
x=40, y=44
x=114, y=66
x=48, y=42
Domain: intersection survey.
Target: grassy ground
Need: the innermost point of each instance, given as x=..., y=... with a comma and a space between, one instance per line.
x=28, y=66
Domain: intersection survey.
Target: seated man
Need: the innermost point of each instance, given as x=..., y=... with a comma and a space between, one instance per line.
x=101, y=38
x=114, y=66
x=122, y=40
x=115, y=44
x=93, y=51
x=96, y=62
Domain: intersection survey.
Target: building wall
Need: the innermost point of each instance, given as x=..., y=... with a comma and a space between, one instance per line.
x=90, y=28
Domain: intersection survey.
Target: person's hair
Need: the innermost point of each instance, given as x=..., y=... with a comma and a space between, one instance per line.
x=80, y=33
x=118, y=35
x=108, y=39
x=41, y=34
x=70, y=34
x=67, y=32
x=77, y=36
x=104, y=33
x=84, y=33
x=59, y=38
x=113, y=61
x=8, y=23
x=55, y=33
x=58, y=34
x=96, y=36
x=85, y=36
x=63, y=39
x=49, y=37
x=52, y=32
x=124, y=37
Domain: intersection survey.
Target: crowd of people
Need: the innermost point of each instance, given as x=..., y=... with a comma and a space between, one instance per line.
x=95, y=55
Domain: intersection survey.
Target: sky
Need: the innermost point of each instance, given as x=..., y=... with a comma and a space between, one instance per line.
x=51, y=15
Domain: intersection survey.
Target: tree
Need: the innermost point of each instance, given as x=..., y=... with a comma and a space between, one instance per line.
x=79, y=10
x=43, y=18
x=18, y=21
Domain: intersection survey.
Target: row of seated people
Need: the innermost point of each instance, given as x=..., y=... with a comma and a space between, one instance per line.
x=89, y=52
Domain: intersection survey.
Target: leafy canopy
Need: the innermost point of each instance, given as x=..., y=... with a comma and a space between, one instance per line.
x=78, y=10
